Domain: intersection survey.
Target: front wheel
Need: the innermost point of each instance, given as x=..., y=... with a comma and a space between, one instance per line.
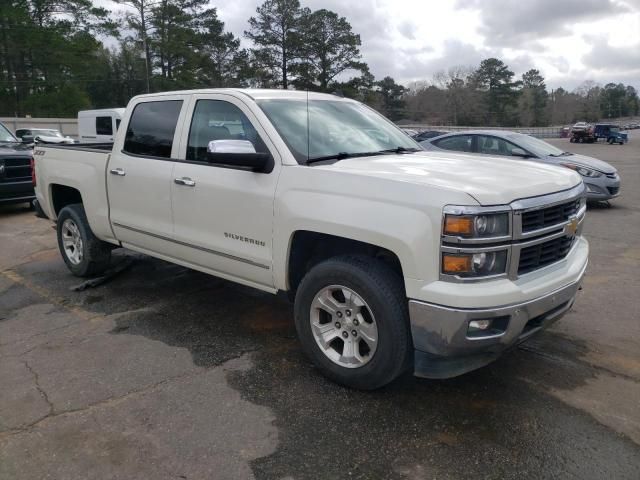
x=352, y=320
x=84, y=254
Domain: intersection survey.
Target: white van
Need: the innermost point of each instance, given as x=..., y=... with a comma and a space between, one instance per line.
x=98, y=126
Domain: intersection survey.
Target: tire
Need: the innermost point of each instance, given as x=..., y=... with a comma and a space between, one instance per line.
x=84, y=254
x=382, y=309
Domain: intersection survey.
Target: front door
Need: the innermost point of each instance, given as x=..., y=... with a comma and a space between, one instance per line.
x=139, y=176
x=223, y=217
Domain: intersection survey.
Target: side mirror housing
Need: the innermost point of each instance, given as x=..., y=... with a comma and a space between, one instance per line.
x=28, y=139
x=239, y=154
x=518, y=152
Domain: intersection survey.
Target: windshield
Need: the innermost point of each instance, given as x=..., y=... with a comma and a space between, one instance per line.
x=47, y=133
x=6, y=135
x=534, y=145
x=334, y=128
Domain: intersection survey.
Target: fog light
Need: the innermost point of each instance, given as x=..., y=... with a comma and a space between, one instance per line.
x=479, y=325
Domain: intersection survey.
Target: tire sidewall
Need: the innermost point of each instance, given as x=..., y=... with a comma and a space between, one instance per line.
x=391, y=347
x=72, y=212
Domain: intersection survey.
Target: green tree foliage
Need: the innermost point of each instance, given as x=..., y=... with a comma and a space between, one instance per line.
x=391, y=95
x=533, y=99
x=48, y=54
x=495, y=78
x=329, y=47
x=276, y=33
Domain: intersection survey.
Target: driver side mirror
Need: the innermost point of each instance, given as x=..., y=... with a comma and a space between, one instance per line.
x=518, y=152
x=27, y=139
x=240, y=154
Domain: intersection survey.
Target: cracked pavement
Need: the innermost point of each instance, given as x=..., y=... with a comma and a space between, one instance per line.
x=163, y=372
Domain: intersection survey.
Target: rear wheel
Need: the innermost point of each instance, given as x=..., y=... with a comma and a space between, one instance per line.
x=352, y=319
x=84, y=254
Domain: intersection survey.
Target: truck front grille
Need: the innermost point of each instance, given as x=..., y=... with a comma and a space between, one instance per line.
x=546, y=217
x=16, y=169
x=543, y=254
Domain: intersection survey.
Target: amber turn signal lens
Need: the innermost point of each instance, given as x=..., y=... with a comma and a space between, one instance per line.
x=456, y=263
x=458, y=225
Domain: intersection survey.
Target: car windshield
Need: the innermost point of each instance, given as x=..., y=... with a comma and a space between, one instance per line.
x=47, y=133
x=335, y=128
x=6, y=135
x=534, y=145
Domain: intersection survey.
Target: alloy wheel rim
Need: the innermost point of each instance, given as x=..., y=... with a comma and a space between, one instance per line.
x=72, y=241
x=343, y=326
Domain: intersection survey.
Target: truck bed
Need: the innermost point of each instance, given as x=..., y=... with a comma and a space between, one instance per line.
x=83, y=167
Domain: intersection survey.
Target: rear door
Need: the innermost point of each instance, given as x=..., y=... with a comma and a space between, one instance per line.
x=139, y=174
x=223, y=217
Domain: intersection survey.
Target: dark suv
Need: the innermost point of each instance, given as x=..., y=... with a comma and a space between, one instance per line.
x=16, y=184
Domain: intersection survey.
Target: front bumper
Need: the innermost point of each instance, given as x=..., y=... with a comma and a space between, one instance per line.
x=444, y=348
x=16, y=192
x=602, y=188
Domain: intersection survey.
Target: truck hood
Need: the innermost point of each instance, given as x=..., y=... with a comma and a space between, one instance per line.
x=489, y=180
x=15, y=150
x=585, y=161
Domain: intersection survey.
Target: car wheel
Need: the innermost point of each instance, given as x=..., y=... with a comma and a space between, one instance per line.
x=352, y=319
x=84, y=254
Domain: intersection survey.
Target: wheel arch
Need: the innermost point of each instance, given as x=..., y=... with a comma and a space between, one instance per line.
x=63, y=195
x=308, y=248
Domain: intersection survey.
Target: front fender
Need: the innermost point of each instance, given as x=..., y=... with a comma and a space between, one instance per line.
x=400, y=217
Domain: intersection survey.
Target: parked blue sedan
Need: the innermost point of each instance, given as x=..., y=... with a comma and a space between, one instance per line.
x=601, y=179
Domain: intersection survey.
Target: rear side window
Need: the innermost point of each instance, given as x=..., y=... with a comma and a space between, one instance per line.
x=104, y=126
x=151, y=128
x=458, y=143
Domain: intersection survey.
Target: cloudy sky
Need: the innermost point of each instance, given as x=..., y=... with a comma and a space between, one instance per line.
x=569, y=41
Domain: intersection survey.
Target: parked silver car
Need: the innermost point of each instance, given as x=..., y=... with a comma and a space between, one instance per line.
x=601, y=179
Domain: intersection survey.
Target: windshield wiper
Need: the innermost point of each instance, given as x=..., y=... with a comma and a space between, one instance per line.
x=343, y=155
x=400, y=150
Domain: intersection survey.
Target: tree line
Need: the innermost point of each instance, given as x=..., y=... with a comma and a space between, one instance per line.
x=492, y=95
x=54, y=62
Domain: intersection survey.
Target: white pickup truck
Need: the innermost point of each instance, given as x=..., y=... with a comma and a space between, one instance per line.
x=397, y=258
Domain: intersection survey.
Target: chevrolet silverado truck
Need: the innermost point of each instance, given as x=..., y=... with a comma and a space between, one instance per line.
x=395, y=258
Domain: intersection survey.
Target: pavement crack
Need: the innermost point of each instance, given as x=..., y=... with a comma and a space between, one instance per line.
x=111, y=401
x=43, y=393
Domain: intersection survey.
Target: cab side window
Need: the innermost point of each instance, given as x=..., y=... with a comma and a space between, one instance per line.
x=219, y=120
x=152, y=127
x=104, y=126
x=457, y=143
x=494, y=146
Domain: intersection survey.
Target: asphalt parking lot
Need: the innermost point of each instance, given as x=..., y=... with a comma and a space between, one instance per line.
x=167, y=373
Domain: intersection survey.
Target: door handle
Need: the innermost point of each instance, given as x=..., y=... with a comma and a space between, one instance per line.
x=117, y=171
x=186, y=181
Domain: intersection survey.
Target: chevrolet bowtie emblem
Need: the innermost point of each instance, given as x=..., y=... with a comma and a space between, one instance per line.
x=572, y=227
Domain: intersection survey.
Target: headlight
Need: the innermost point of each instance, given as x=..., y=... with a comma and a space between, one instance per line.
x=584, y=171
x=480, y=264
x=477, y=226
